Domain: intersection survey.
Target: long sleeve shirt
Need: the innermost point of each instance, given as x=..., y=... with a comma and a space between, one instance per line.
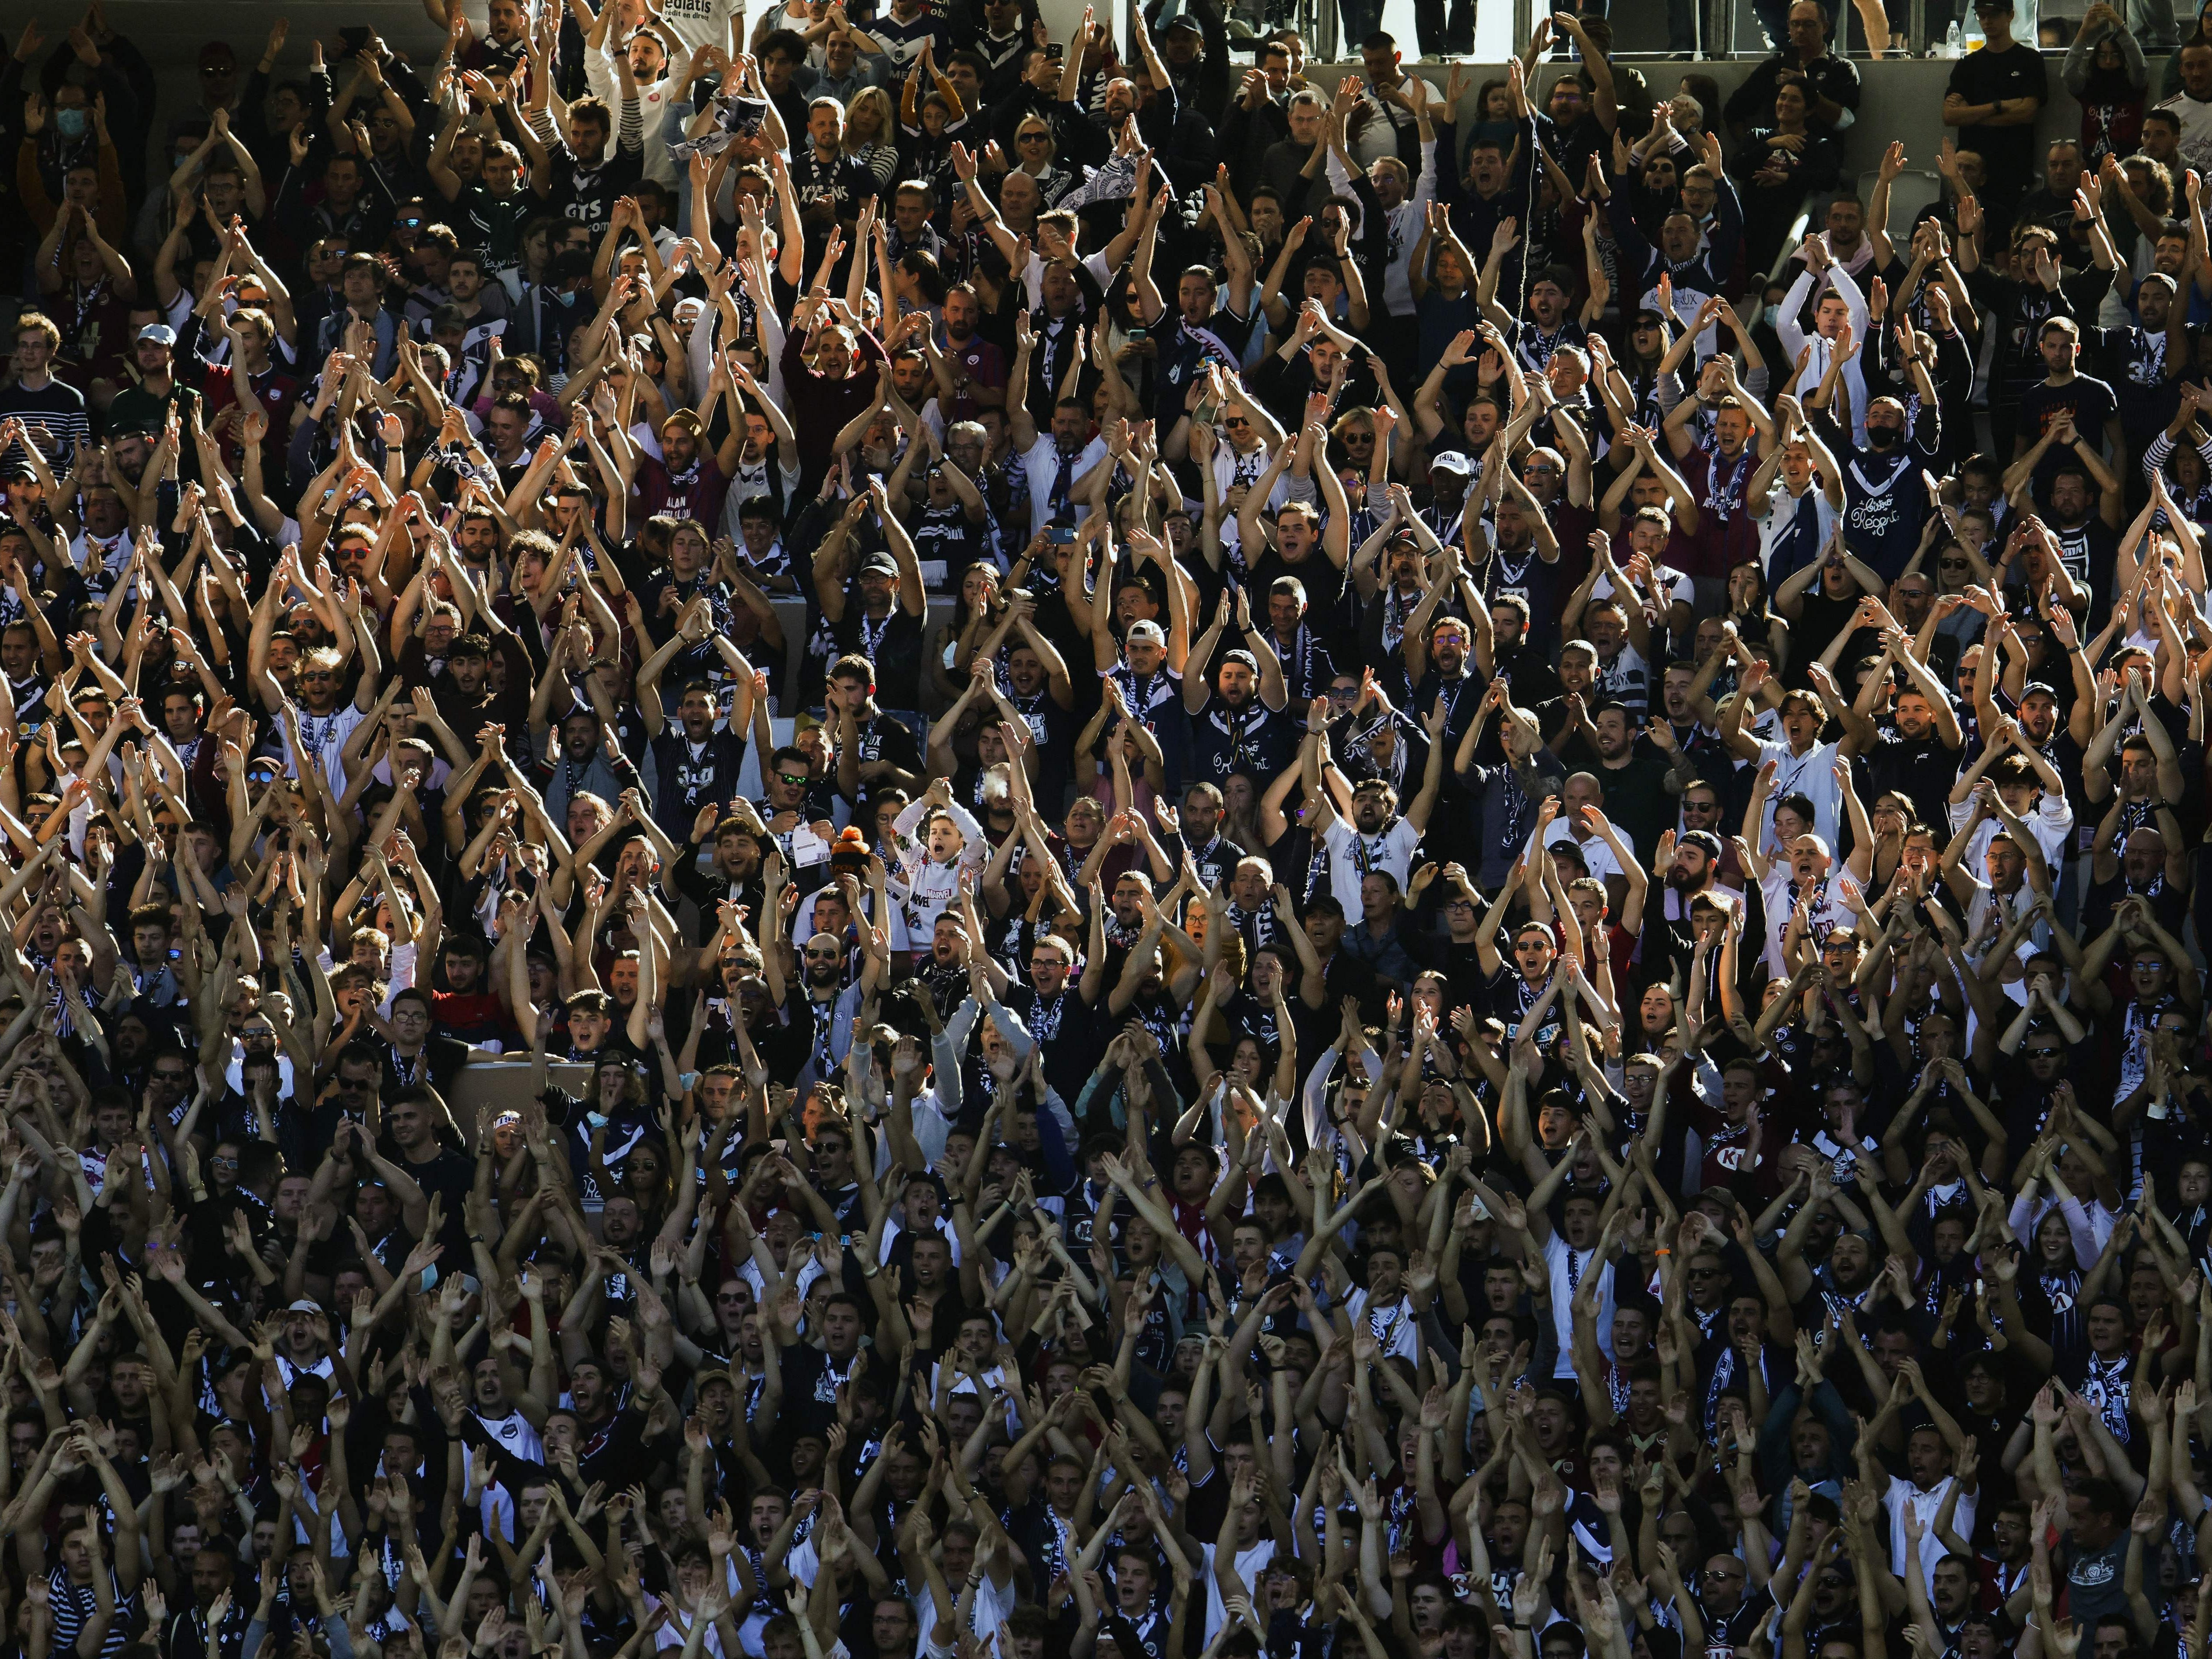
x=1402, y=227
x=642, y=118
x=1789, y=330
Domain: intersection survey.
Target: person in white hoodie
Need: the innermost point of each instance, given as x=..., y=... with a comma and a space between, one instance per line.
x=1840, y=302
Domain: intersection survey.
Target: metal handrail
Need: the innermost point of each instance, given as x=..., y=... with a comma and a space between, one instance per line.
x=1789, y=246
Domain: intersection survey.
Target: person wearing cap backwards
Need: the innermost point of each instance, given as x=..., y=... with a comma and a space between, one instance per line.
x=1237, y=721
x=686, y=481
x=144, y=406
x=880, y=619
x=303, y=1345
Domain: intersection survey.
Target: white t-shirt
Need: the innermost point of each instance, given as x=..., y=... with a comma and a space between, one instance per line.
x=1812, y=775
x=1903, y=1495
x=324, y=736
x=1596, y=853
x=1250, y=1564
x=2051, y=823
x=1397, y=1329
x=1839, y=902
x=514, y=1431
x=1041, y=461
x=1351, y=855
x=1567, y=1265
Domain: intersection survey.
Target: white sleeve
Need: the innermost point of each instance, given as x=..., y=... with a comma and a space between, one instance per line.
x=1785, y=319
x=599, y=73
x=1842, y=282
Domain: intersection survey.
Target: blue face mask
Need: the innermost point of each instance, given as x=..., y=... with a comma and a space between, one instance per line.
x=73, y=123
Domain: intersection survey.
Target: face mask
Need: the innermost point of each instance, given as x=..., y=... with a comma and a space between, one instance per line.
x=73, y=123
x=1884, y=438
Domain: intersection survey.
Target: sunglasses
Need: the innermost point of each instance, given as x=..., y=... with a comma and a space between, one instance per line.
x=2042, y=1054
x=793, y=778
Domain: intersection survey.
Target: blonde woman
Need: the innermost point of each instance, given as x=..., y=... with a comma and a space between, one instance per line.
x=872, y=134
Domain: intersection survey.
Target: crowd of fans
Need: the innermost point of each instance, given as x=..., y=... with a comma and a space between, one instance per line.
x=857, y=833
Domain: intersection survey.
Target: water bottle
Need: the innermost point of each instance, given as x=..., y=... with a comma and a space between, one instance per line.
x=1951, y=39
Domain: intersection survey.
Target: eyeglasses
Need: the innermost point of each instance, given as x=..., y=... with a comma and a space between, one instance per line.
x=793, y=778
x=1342, y=693
x=2042, y=1054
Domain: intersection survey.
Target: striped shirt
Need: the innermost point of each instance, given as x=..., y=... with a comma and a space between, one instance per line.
x=73, y=1606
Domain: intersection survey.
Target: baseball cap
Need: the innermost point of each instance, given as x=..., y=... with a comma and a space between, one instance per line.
x=880, y=564
x=303, y=1306
x=217, y=52
x=1705, y=838
x=1181, y=21
x=1243, y=656
x=1147, y=631
x=159, y=333
x=1452, y=461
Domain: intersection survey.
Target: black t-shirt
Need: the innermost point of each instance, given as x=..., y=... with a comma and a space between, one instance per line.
x=1506, y=997
x=1820, y=620
x=2134, y=359
x=1636, y=798
x=2088, y=400
x=842, y=182
x=893, y=644
x=1317, y=573
x=584, y=193
x=1921, y=768
x=1186, y=348
x=1252, y=739
x=685, y=778
x=886, y=739
x=1985, y=76
x=491, y=226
